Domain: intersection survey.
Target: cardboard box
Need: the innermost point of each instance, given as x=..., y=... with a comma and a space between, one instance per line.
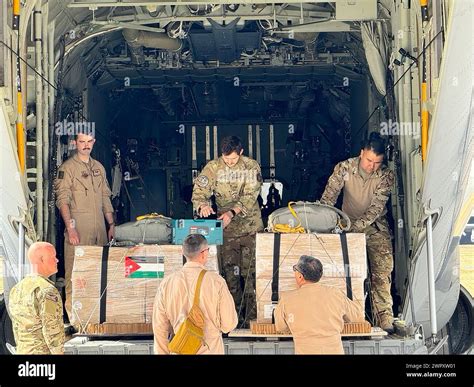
x=326, y=247
x=118, y=286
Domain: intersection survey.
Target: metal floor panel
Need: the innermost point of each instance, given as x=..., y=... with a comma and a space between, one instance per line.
x=84, y=346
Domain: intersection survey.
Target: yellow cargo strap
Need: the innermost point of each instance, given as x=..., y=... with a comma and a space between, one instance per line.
x=286, y=228
x=152, y=215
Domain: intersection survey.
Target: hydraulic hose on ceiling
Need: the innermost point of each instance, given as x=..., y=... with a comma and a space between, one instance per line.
x=136, y=38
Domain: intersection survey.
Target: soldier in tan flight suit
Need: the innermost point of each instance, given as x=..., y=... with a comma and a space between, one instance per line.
x=83, y=198
x=315, y=313
x=176, y=294
x=367, y=184
x=235, y=180
x=35, y=306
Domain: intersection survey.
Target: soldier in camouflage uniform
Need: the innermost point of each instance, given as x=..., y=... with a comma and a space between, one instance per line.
x=367, y=184
x=235, y=180
x=35, y=306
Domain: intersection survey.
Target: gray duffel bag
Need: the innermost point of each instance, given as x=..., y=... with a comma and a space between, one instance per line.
x=310, y=217
x=156, y=230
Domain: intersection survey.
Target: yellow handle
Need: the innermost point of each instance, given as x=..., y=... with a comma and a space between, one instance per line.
x=153, y=215
x=286, y=228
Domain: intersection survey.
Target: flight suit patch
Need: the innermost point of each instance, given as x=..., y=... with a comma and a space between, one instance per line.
x=61, y=175
x=202, y=181
x=85, y=174
x=96, y=172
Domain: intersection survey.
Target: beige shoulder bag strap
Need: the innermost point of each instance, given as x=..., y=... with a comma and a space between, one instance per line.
x=195, y=313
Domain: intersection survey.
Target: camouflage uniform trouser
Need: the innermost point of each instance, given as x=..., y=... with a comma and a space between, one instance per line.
x=236, y=259
x=380, y=254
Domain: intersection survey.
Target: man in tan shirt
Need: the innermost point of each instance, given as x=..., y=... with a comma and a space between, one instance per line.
x=83, y=198
x=315, y=313
x=175, y=297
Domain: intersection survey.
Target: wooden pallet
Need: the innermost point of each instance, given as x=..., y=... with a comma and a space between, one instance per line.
x=361, y=327
x=264, y=329
x=247, y=333
x=270, y=329
x=257, y=329
x=108, y=329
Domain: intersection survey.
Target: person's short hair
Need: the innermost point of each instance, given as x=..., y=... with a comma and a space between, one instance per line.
x=193, y=244
x=311, y=268
x=76, y=135
x=231, y=144
x=375, y=143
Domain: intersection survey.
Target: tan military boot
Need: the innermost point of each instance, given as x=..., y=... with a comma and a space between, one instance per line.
x=386, y=322
x=68, y=332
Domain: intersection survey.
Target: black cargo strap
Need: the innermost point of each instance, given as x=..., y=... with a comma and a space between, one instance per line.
x=276, y=266
x=103, y=285
x=347, y=270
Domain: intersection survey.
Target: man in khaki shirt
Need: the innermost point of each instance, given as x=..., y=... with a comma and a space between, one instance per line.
x=175, y=297
x=315, y=313
x=83, y=198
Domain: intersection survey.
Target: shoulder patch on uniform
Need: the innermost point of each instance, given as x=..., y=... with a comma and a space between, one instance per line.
x=253, y=162
x=51, y=307
x=51, y=296
x=96, y=172
x=61, y=175
x=202, y=181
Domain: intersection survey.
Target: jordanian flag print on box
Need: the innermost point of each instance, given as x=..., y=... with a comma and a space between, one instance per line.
x=144, y=267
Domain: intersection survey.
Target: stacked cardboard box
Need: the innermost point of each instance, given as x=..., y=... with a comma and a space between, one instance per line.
x=118, y=285
x=328, y=248
x=113, y=292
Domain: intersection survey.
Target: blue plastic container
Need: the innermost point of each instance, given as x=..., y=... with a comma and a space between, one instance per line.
x=211, y=229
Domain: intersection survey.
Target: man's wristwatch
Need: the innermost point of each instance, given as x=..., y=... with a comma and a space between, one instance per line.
x=233, y=213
